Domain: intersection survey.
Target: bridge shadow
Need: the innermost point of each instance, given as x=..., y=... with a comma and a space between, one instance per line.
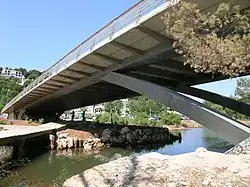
x=127, y=178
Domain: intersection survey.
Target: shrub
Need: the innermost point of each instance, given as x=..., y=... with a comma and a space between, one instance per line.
x=103, y=118
x=3, y=122
x=141, y=119
x=123, y=120
x=170, y=118
x=41, y=121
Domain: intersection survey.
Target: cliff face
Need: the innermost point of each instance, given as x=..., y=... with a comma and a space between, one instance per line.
x=200, y=168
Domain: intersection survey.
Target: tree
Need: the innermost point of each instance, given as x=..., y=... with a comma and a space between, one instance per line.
x=8, y=89
x=27, y=82
x=145, y=105
x=114, y=106
x=225, y=110
x=216, y=42
x=34, y=72
x=242, y=91
x=32, y=76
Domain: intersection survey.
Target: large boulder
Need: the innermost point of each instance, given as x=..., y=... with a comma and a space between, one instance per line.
x=106, y=135
x=200, y=168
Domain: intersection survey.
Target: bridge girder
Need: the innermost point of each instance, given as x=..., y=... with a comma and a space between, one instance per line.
x=222, y=125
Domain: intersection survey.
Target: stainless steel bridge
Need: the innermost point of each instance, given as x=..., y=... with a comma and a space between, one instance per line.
x=132, y=48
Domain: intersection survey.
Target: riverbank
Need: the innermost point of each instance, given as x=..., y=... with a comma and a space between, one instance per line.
x=185, y=124
x=157, y=170
x=63, y=164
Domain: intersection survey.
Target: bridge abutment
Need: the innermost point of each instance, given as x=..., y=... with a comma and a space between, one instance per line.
x=18, y=149
x=222, y=125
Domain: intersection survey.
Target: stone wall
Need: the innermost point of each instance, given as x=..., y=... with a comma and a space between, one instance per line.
x=114, y=136
x=5, y=154
x=132, y=136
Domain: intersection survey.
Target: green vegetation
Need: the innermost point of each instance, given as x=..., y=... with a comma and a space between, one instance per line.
x=242, y=93
x=170, y=118
x=214, y=43
x=139, y=111
x=3, y=122
x=9, y=87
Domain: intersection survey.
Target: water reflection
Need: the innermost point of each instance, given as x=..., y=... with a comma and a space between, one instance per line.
x=54, y=167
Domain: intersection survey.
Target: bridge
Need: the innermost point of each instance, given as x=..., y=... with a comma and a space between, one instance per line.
x=131, y=55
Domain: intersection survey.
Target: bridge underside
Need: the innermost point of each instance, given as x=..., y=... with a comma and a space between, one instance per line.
x=159, y=70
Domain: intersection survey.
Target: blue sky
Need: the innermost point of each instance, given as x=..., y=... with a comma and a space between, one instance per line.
x=35, y=34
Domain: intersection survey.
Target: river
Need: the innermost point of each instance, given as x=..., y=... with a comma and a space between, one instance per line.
x=52, y=168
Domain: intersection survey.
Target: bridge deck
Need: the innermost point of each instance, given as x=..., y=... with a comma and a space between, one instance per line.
x=13, y=133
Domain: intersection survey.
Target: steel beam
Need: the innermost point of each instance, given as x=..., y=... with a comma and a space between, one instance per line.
x=45, y=89
x=60, y=81
x=68, y=77
x=164, y=73
x=53, y=85
x=153, y=34
x=41, y=92
x=222, y=125
x=99, y=68
x=107, y=58
x=216, y=98
x=81, y=73
x=49, y=87
x=128, y=48
x=178, y=58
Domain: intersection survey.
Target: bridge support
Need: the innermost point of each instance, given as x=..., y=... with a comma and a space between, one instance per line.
x=12, y=116
x=216, y=98
x=18, y=149
x=222, y=125
x=20, y=114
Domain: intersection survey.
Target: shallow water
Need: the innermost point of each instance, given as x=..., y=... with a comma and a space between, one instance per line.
x=52, y=168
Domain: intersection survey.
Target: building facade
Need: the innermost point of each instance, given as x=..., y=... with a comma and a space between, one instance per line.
x=13, y=73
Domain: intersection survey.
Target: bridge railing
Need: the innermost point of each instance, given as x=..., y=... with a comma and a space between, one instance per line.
x=130, y=16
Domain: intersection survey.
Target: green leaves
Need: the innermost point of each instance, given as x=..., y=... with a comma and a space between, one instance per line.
x=211, y=42
x=8, y=89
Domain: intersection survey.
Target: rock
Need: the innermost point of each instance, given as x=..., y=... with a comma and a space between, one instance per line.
x=106, y=135
x=98, y=145
x=96, y=135
x=200, y=150
x=88, y=146
x=6, y=153
x=125, y=130
x=206, y=182
x=52, y=141
x=70, y=142
x=159, y=170
x=80, y=143
x=61, y=135
x=171, y=184
x=76, y=143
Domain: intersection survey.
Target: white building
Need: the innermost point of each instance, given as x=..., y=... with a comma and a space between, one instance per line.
x=13, y=73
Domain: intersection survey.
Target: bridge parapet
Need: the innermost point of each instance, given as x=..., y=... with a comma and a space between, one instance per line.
x=131, y=16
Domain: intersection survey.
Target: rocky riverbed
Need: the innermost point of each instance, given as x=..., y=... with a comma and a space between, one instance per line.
x=200, y=168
